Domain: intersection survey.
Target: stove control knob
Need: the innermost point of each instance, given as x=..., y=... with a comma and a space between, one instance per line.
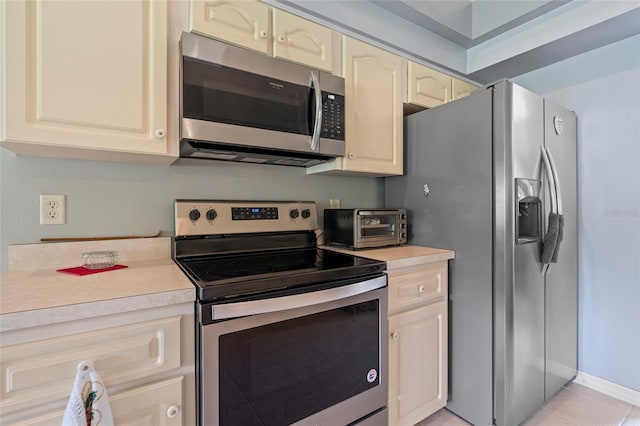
x=306, y=213
x=211, y=214
x=294, y=213
x=194, y=214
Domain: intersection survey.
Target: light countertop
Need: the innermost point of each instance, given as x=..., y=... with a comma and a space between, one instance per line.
x=33, y=293
x=401, y=256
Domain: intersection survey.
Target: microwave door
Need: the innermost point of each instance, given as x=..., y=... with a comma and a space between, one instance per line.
x=242, y=108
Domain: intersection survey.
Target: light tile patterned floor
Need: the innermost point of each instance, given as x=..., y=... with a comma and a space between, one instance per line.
x=574, y=405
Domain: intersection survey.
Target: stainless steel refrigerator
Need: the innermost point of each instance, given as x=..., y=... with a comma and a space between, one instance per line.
x=493, y=177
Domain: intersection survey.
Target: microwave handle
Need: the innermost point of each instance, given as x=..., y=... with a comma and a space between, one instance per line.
x=315, y=138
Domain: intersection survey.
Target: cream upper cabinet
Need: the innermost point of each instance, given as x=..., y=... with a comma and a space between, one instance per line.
x=86, y=80
x=257, y=26
x=373, y=112
x=460, y=89
x=245, y=23
x=299, y=40
x=427, y=87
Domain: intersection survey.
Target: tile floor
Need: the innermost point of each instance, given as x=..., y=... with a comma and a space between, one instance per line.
x=574, y=405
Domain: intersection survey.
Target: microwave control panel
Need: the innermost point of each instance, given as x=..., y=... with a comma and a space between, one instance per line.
x=332, y=116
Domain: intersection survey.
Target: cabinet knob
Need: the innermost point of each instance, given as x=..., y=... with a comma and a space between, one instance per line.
x=159, y=133
x=281, y=38
x=421, y=289
x=173, y=411
x=395, y=335
x=351, y=156
x=263, y=34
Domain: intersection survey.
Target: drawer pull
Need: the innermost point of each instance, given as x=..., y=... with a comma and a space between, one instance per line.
x=173, y=411
x=421, y=289
x=395, y=335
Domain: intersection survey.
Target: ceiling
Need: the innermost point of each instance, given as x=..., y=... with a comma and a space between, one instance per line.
x=481, y=40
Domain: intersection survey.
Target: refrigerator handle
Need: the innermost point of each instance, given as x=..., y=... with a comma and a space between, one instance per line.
x=551, y=178
x=556, y=180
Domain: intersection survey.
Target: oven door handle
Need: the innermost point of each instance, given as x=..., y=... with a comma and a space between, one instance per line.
x=254, y=307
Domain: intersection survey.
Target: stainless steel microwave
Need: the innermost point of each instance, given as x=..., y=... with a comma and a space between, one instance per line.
x=241, y=105
x=365, y=228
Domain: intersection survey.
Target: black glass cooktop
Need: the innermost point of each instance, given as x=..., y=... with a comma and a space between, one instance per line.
x=236, y=275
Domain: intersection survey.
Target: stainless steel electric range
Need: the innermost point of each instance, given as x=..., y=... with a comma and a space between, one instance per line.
x=286, y=332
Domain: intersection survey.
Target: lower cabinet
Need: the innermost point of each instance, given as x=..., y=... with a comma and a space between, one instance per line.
x=144, y=358
x=154, y=404
x=417, y=342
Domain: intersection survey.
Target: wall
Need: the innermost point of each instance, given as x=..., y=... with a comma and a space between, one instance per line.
x=107, y=199
x=603, y=87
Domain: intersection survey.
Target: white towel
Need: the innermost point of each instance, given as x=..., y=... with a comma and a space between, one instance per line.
x=88, y=404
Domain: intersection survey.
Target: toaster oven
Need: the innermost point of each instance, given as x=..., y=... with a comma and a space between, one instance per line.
x=365, y=228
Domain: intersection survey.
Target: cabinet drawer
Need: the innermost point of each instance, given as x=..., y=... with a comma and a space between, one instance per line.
x=43, y=371
x=409, y=287
x=154, y=404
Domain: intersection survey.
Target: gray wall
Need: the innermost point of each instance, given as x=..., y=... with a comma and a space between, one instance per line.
x=106, y=199
x=603, y=87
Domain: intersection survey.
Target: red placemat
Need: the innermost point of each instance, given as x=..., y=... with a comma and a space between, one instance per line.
x=81, y=270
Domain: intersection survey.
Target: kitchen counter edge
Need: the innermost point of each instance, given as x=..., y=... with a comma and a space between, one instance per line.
x=401, y=256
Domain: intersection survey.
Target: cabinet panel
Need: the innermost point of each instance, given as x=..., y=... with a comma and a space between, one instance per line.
x=427, y=87
x=299, y=40
x=417, y=363
x=410, y=287
x=245, y=23
x=43, y=371
x=373, y=119
x=76, y=82
x=460, y=89
x=157, y=404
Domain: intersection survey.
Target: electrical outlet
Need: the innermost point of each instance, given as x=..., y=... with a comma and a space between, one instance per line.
x=52, y=210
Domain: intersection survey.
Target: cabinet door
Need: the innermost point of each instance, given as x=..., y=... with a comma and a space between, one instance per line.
x=373, y=116
x=427, y=87
x=158, y=404
x=86, y=78
x=460, y=89
x=42, y=372
x=417, y=363
x=302, y=41
x=245, y=23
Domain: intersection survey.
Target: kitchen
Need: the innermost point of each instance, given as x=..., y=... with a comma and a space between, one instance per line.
x=104, y=198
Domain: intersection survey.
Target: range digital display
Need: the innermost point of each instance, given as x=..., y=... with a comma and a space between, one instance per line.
x=254, y=213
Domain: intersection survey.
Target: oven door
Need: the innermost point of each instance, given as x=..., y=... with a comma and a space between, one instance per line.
x=321, y=363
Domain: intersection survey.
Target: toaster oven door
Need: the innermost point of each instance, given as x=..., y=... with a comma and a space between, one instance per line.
x=379, y=228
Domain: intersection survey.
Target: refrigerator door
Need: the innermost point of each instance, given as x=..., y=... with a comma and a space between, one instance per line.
x=449, y=149
x=561, y=295
x=518, y=282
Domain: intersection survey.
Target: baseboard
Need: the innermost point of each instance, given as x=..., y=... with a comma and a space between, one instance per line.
x=614, y=390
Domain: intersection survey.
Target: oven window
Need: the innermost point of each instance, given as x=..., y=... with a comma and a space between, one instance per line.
x=280, y=373
x=227, y=95
x=377, y=225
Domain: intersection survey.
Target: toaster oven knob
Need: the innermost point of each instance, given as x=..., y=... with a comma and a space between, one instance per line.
x=194, y=214
x=404, y=226
x=294, y=213
x=306, y=213
x=211, y=214
x=403, y=235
